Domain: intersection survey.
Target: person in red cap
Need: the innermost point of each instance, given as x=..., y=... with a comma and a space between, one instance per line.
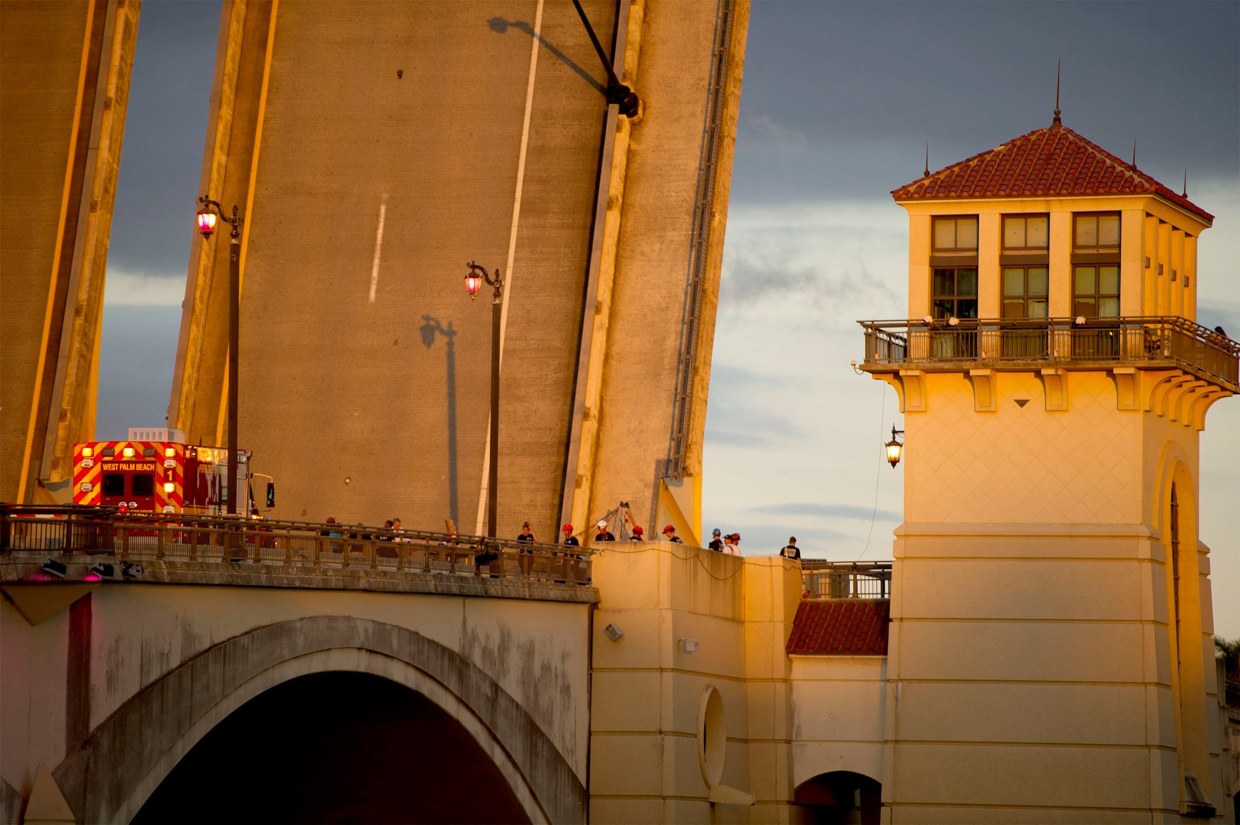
x=569, y=538
x=732, y=544
x=669, y=534
x=637, y=533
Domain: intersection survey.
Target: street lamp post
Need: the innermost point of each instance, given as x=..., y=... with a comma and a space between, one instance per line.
x=207, y=218
x=473, y=284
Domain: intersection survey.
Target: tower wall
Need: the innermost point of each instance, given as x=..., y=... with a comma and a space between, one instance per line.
x=1050, y=649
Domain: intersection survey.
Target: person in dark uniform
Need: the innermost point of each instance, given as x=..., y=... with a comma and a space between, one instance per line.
x=637, y=533
x=716, y=541
x=603, y=533
x=669, y=534
x=527, y=553
x=791, y=551
x=569, y=538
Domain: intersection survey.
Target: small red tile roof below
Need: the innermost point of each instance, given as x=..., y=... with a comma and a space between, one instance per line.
x=830, y=627
x=1050, y=162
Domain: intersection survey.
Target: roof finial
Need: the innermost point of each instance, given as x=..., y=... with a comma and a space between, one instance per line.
x=1134, y=153
x=926, y=172
x=1184, y=192
x=1057, y=121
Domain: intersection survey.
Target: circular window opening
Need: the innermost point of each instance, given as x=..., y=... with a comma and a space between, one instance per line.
x=712, y=736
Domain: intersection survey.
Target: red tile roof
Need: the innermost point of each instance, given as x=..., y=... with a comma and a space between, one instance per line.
x=1050, y=162
x=826, y=627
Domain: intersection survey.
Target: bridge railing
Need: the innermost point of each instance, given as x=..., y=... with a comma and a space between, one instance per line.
x=846, y=580
x=302, y=546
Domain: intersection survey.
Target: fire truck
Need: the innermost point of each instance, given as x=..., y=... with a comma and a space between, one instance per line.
x=155, y=471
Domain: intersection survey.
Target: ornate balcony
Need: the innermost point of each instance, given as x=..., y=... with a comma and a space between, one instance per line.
x=964, y=344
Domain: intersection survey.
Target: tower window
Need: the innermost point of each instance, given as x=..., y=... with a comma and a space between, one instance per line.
x=1024, y=292
x=955, y=292
x=1095, y=290
x=955, y=234
x=1096, y=232
x=1026, y=232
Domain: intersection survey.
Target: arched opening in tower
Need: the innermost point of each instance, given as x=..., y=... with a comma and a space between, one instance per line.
x=837, y=798
x=335, y=748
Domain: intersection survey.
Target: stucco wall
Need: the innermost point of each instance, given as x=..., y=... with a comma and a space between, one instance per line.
x=534, y=652
x=838, y=709
x=693, y=621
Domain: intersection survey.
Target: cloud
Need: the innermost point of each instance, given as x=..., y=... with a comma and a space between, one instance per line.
x=827, y=511
x=767, y=131
x=752, y=279
x=737, y=424
x=128, y=288
x=807, y=258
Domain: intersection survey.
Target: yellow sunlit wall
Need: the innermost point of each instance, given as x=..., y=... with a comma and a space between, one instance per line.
x=1045, y=663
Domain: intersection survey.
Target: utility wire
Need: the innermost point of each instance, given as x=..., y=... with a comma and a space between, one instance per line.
x=878, y=472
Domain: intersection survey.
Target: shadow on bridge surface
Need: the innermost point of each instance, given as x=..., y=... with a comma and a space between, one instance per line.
x=335, y=748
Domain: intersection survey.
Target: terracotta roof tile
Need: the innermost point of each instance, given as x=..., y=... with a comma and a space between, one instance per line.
x=829, y=627
x=1049, y=162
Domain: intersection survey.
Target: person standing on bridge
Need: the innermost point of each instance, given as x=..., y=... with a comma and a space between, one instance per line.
x=716, y=543
x=791, y=551
x=526, y=536
x=637, y=533
x=669, y=534
x=569, y=538
x=603, y=533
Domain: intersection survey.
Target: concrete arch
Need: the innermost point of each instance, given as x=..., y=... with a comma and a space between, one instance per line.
x=126, y=757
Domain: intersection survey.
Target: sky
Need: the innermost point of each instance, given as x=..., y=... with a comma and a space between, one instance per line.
x=839, y=104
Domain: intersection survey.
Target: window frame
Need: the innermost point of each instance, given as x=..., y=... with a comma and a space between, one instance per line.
x=956, y=248
x=1025, y=296
x=1025, y=248
x=956, y=296
x=1097, y=248
x=1097, y=295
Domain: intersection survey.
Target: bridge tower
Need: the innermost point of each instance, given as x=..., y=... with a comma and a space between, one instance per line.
x=1050, y=649
x=66, y=73
x=372, y=151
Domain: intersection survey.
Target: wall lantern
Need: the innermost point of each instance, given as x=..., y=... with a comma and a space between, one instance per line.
x=894, y=447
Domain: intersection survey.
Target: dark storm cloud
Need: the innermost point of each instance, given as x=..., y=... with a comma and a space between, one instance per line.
x=841, y=98
x=165, y=131
x=135, y=365
x=826, y=510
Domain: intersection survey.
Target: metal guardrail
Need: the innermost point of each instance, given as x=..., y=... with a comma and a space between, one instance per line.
x=282, y=544
x=846, y=580
x=1159, y=342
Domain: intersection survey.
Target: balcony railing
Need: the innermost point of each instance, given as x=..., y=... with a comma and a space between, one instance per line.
x=34, y=533
x=846, y=580
x=1157, y=343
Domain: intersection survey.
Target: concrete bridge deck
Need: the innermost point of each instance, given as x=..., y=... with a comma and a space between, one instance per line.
x=123, y=677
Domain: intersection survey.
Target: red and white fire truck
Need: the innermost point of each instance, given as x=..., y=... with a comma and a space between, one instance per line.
x=155, y=471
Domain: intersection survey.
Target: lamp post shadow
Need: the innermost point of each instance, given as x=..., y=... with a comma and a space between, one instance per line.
x=501, y=26
x=431, y=327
